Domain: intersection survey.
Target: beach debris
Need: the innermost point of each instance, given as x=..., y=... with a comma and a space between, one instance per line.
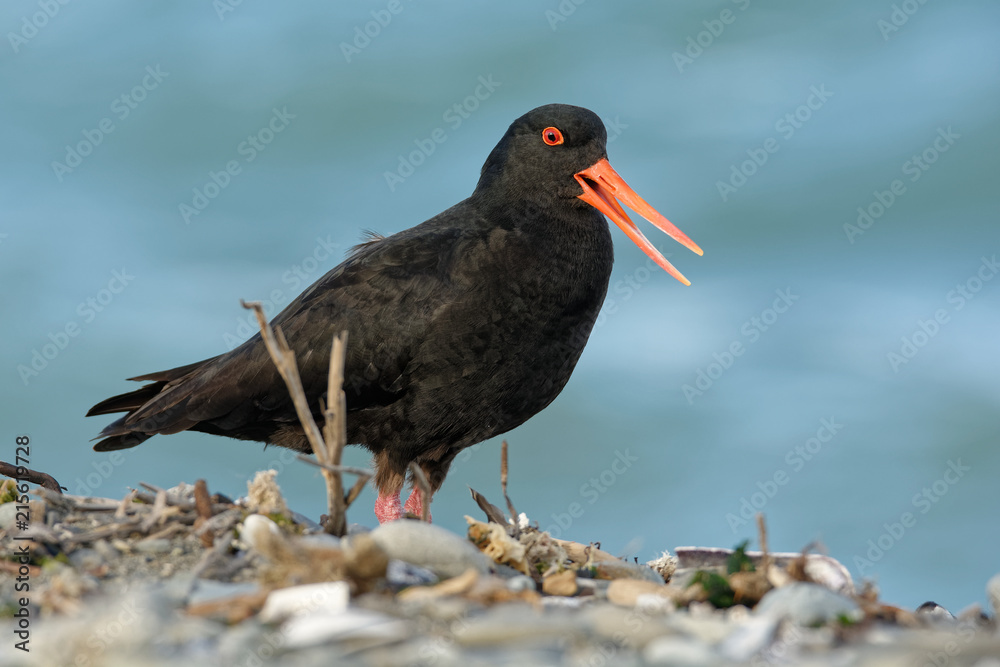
x=493, y=540
x=409, y=588
x=264, y=495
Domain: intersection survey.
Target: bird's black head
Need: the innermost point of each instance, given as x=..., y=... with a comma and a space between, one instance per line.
x=555, y=157
x=543, y=150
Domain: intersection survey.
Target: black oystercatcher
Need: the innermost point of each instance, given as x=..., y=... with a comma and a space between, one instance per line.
x=461, y=328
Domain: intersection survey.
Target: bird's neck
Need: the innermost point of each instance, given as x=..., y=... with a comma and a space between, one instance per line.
x=564, y=243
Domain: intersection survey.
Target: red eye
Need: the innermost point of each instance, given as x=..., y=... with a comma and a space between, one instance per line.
x=552, y=136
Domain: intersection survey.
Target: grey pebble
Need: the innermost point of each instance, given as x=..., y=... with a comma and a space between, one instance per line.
x=934, y=612
x=439, y=550
x=807, y=604
x=86, y=559
x=8, y=514
x=401, y=573
x=517, y=625
x=521, y=583
x=749, y=638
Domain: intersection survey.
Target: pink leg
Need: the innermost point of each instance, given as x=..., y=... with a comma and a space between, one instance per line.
x=415, y=504
x=387, y=507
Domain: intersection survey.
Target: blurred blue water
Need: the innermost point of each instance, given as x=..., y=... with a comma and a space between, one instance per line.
x=839, y=99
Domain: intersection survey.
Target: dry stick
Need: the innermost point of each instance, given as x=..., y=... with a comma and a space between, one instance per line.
x=125, y=527
x=202, y=499
x=122, y=510
x=203, y=503
x=170, y=531
x=158, y=513
x=284, y=359
x=173, y=501
x=503, y=483
x=76, y=503
x=335, y=434
x=765, y=560
x=26, y=474
x=364, y=474
x=493, y=513
x=420, y=481
x=350, y=470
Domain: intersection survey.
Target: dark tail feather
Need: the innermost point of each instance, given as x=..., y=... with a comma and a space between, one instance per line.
x=119, y=436
x=117, y=442
x=126, y=402
x=134, y=400
x=172, y=374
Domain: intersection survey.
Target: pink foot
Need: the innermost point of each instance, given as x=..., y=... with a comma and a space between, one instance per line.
x=415, y=504
x=388, y=508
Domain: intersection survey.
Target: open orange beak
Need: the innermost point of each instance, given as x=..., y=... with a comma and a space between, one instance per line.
x=603, y=187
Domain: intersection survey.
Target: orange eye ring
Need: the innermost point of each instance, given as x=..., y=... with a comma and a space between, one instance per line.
x=552, y=136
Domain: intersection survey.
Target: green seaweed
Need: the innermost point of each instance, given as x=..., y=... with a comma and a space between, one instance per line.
x=738, y=561
x=720, y=593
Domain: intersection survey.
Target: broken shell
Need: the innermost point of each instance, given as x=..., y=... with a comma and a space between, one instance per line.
x=493, y=540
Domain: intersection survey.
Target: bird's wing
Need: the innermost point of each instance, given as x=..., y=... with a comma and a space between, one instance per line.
x=385, y=295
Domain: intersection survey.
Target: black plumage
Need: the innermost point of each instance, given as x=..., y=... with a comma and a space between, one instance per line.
x=461, y=328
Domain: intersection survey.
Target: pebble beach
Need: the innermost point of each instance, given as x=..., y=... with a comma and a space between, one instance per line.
x=161, y=578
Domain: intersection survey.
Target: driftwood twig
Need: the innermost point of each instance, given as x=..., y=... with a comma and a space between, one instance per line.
x=503, y=485
x=328, y=451
x=335, y=435
x=765, y=559
x=28, y=475
x=350, y=470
